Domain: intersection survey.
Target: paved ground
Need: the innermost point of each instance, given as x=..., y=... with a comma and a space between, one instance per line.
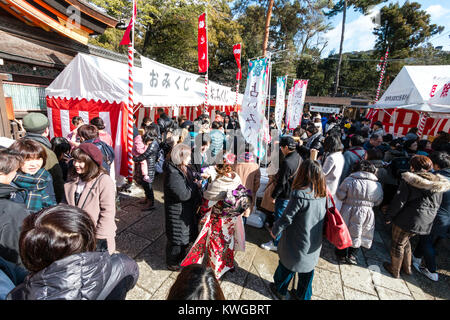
x=141, y=235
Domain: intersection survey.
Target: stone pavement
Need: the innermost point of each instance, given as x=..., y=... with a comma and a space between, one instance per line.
x=141, y=235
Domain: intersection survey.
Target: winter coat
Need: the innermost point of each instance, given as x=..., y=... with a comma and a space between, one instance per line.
x=51, y=165
x=83, y=276
x=181, y=200
x=313, y=142
x=217, y=142
x=391, y=154
x=286, y=175
x=332, y=169
x=164, y=123
x=417, y=201
x=250, y=175
x=99, y=202
x=350, y=158
x=359, y=193
x=11, y=218
x=35, y=191
x=301, y=226
x=383, y=174
x=151, y=157
x=441, y=223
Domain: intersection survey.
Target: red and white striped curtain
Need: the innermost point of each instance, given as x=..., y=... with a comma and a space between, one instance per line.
x=399, y=121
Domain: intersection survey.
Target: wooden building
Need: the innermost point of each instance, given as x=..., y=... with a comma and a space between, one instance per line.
x=38, y=39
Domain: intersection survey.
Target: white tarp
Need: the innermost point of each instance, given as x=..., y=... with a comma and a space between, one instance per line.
x=418, y=88
x=155, y=84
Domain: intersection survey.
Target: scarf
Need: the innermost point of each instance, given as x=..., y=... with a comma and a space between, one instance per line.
x=39, y=138
x=35, y=191
x=217, y=190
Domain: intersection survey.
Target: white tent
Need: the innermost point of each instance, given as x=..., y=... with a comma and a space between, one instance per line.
x=417, y=93
x=418, y=88
x=92, y=86
x=155, y=84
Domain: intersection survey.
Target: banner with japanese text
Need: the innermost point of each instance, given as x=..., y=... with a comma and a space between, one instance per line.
x=251, y=117
x=202, y=44
x=289, y=107
x=237, y=56
x=298, y=100
x=280, y=103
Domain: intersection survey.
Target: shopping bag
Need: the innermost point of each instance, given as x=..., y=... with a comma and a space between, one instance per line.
x=336, y=230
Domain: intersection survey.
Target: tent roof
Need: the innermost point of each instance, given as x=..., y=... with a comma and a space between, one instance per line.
x=412, y=89
x=155, y=84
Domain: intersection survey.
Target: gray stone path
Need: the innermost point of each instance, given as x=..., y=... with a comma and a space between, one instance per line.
x=141, y=235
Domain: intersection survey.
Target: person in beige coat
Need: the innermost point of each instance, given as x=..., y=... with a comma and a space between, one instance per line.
x=90, y=188
x=248, y=170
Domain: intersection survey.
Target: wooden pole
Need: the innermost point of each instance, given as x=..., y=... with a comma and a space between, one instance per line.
x=267, y=27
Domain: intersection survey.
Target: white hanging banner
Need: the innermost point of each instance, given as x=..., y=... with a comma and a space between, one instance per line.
x=289, y=107
x=251, y=116
x=298, y=100
x=279, y=106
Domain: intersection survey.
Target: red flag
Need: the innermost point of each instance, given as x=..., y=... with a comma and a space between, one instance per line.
x=237, y=55
x=126, y=36
x=202, y=44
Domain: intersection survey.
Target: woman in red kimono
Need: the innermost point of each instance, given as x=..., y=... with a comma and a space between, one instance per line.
x=222, y=229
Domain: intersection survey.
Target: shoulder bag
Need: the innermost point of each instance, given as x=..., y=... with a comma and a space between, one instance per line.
x=335, y=229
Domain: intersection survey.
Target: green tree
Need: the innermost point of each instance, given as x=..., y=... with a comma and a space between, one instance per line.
x=403, y=29
x=362, y=6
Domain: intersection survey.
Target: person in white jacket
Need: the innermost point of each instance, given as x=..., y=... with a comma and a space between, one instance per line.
x=333, y=164
x=359, y=193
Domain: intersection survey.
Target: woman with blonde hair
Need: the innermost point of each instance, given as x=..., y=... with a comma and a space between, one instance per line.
x=181, y=196
x=221, y=222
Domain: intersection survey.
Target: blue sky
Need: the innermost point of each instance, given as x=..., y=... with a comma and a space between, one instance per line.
x=358, y=28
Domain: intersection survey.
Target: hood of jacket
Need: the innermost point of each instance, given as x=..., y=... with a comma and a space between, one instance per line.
x=39, y=138
x=218, y=188
x=427, y=181
x=6, y=190
x=364, y=176
x=77, y=277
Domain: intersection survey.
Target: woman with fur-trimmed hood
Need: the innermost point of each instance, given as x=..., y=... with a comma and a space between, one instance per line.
x=412, y=211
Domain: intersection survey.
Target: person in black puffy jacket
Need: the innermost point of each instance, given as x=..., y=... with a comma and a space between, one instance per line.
x=164, y=122
x=412, y=211
x=150, y=155
x=57, y=247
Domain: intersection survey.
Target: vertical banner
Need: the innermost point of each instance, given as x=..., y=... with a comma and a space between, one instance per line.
x=202, y=44
x=237, y=56
x=280, y=102
x=251, y=117
x=289, y=107
x=298, y=100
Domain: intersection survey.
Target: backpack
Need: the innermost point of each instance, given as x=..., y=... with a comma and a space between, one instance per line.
x=160, y=161
x=108, y=154
x=399, y=165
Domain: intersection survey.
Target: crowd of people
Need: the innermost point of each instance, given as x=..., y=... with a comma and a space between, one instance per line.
x=58, y=202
